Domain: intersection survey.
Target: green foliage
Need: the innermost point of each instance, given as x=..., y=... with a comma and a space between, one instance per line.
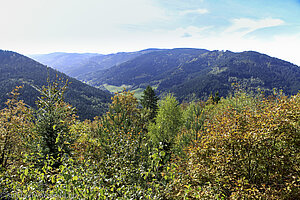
x=243, y=147
x=149, y=101
x=15, y=127
x=123, y=111
x=69, y=181
x=249, y=149
x=18, y=70
x=194, y=115
x=53, y=121
x=167, y=124
x=214, y=99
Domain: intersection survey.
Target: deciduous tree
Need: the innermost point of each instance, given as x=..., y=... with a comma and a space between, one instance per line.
x=167, y=124
x=15, y=130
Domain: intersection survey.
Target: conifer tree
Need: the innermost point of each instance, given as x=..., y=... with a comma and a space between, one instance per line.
x=217, y=98
x=54, y=118
x=149, y=101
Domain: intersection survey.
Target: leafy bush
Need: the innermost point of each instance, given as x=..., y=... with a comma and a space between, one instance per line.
x=15, y=126
x=243, y=147
x=249, y=151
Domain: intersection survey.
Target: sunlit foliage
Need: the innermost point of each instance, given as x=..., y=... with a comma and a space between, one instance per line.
x=168, y=122
x=15, y=130
x=53, y=120
x=244, y=146
x=249, y=149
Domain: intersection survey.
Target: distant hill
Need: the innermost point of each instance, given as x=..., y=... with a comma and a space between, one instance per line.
x=75, y=64
x=63, y=62
x=195, y=73
x=16, y=69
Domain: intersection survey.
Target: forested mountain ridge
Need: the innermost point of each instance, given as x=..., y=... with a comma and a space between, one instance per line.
x=16, y=70
x=195, y=73
x=63, y=62
x=76, y=64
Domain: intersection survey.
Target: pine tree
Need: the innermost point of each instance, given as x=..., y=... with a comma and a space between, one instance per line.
x=54, y=118
x=217, y=98
x=149, y=101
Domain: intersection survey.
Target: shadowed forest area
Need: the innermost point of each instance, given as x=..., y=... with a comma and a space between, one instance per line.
x=244, y=146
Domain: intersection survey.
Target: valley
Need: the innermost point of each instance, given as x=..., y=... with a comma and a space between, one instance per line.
x=190, y=74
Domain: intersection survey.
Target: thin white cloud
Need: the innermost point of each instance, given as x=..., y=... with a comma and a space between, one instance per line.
x=243, y=26
x=36, y=26
x=190, y=31
x=285, y=47
x=200, y=11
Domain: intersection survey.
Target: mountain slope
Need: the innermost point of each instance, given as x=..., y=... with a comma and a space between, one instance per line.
x=195, y=73
x=144, y=69
x=16, y=69
x=63, y=62
x=75, y=65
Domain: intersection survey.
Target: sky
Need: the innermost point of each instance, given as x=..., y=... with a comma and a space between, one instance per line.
x=109, y=26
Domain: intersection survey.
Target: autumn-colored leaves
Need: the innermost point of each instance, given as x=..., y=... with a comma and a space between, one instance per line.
x=15, y=130
x=240, y=147
x=248, y=150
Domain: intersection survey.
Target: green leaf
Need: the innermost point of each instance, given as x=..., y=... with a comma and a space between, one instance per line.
x=26, y=172
x=75, y=178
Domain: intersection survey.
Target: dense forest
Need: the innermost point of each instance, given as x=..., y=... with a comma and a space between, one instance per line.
x=244, y=146
x=19, y=70
x=76, y=64
x=192, y=74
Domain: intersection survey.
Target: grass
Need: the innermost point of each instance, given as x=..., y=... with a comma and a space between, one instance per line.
x=112, y=88
x=138, y=93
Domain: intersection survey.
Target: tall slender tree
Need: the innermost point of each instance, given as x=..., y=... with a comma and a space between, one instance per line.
x=54, y=118
x=149, y=101
x=168, y=123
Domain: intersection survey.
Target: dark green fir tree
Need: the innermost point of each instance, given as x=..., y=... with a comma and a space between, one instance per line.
x=149, y=101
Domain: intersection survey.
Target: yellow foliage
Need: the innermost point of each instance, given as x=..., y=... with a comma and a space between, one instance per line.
x=248, y=151
x=15, y=130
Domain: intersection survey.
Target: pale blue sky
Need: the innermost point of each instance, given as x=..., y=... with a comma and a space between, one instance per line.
x=108, y=26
